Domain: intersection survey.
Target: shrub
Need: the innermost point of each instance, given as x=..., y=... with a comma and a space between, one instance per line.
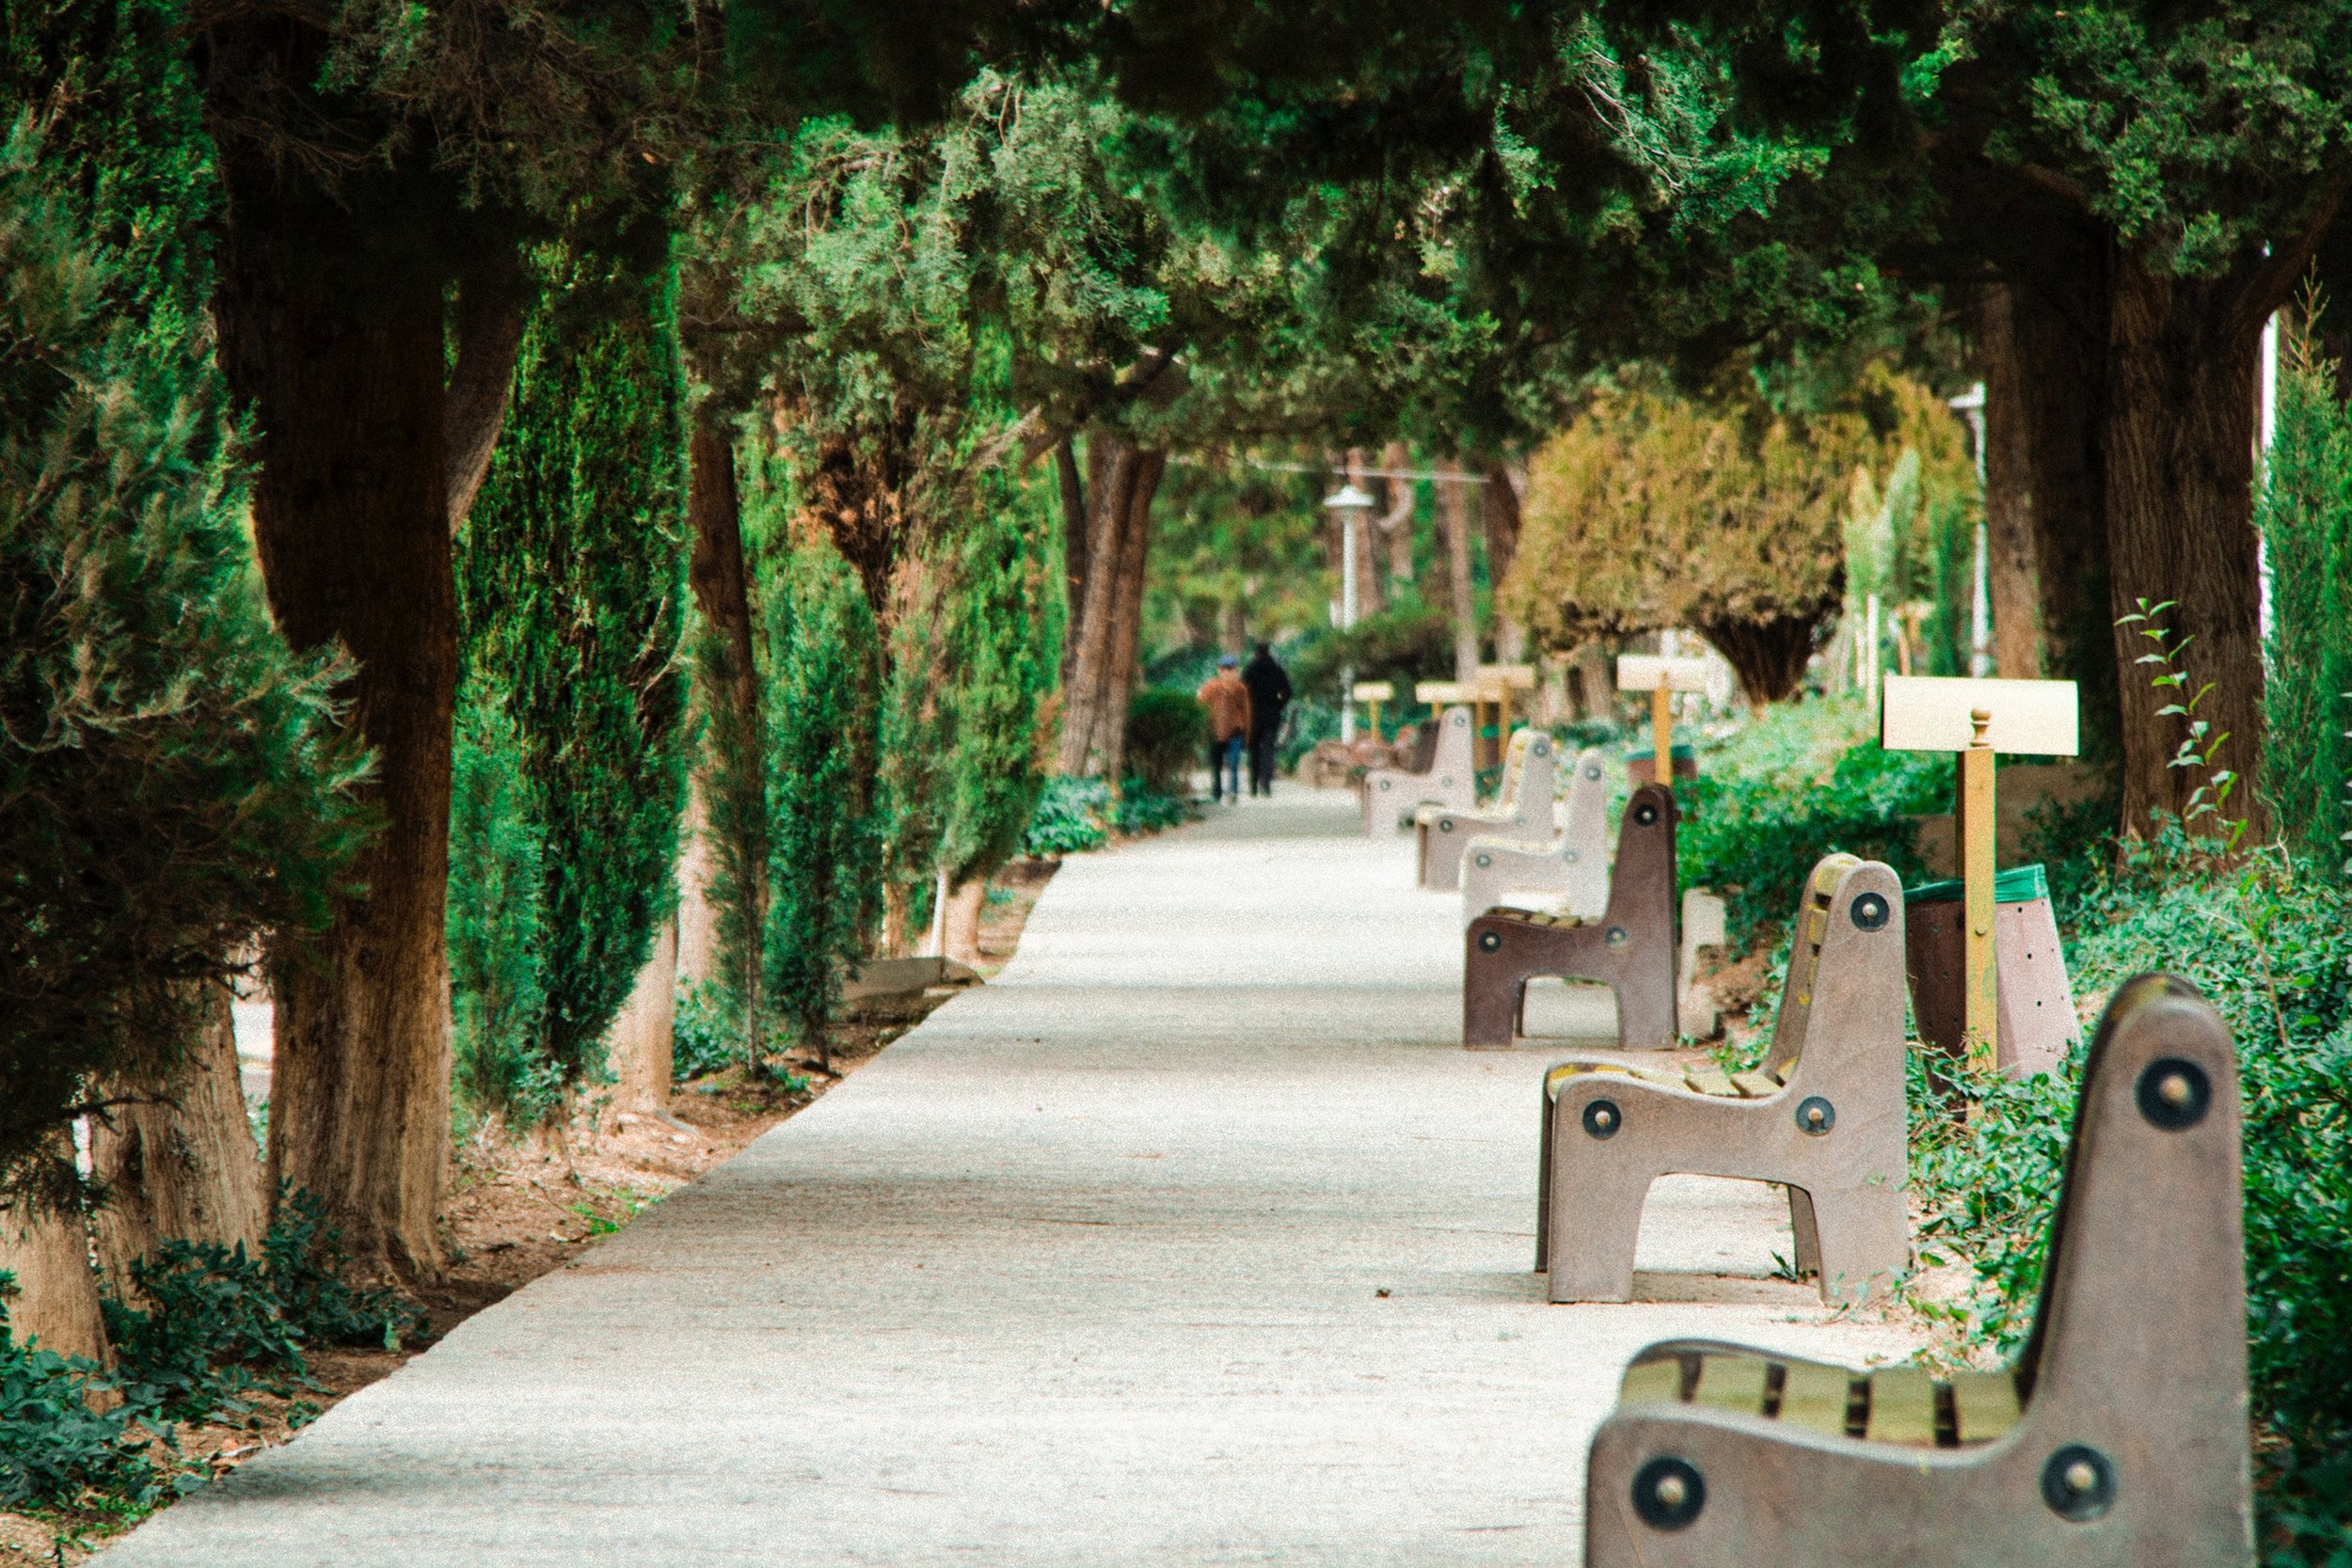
x=53, y=1448
x=1801, y=781
x=1168, y=734
x=497, y=978
x=1068, y=819
x=706, y=1033
x=2267, y=943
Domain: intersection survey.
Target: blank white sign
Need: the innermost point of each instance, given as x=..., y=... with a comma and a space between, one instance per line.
x=1444, y=691
x=1375, y=691
x=1932, y=713
x=1648, y=671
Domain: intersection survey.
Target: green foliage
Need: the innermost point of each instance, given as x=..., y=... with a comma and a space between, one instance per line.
x=825, y=856
x=2304, y=509
x=310, y=1274
x=571, y=591
x=2267, y=942
x=1406, y=643
x=1068, y=818
x=705, y=1032
x=1801, y=780
x=497, y=959
x=2200, y=750
x=53, y=1448
x=170, y=786
x=1168, y=734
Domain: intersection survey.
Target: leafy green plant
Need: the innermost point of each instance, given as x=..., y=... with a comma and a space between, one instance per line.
x=2200, y=748
x=1068, y=819
x=309, y=1273
x=55, y=1447
x=706, y=1033
x=1167, y=734
x=1144, y=810
x=496, y=971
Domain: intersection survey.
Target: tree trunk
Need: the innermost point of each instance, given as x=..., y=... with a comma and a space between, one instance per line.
x=182, y=1165
x=1454, y=519
x=1396, y=523
x=1090, y=662
x=331, y=332
x=1369, y=599
x=56, y=1294
x=1769, y=656
x=1134, y=565
x=697, y=917
x=1074, y=531
x=1498, y=511
x=2009, y=410
x=961, y=929
x=2179, y=472
x=721, y=582
x=489, y=334
x=639, y=1046
x=2045, y=363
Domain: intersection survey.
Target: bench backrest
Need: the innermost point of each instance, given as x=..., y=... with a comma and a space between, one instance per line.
x=1642, y=879
x=1456, y=751
x=2139, y=1348
x=1810, y=930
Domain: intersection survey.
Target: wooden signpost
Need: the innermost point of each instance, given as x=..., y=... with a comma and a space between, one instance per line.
x=1495, y=684
x=1374, y=694
x=1979, y=719
x=1661, y=676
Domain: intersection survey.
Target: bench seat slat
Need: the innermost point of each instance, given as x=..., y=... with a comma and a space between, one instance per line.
x=1902, y=1407
x=1985, y=1405
x=1755, y=1085
x=1814, y=1397
x=1731, y=1383
x=1652, y=1383
x=1713, y=1080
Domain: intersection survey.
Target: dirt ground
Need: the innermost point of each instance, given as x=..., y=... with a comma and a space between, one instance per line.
x=520, y=1209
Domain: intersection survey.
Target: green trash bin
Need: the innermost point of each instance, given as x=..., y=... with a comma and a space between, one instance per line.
x=2037, y=1022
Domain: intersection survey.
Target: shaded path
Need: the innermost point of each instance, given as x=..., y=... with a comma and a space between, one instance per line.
x=1086, y=1271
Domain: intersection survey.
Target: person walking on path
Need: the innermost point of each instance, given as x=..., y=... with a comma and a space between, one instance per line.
x=1228, y=702
x=1269, y=686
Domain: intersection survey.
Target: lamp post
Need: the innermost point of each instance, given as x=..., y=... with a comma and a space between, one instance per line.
x=1351, y=506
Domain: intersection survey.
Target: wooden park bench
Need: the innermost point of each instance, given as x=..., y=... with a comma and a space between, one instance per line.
x=1630, y=947
x=1450, y=780
x=1523, y=808
x=1569, y=870
x=1823, y=1114
x=2117, y=1440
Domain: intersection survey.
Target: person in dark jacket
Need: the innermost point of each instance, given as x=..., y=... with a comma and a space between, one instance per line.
x=1269, y=686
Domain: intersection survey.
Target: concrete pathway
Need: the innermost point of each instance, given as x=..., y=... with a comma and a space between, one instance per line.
x=1193, y=1240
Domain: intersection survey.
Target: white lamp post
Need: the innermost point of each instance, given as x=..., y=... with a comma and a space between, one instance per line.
x=1351, y=506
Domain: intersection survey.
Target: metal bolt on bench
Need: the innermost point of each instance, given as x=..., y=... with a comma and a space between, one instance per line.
x=1451, y=779
x=1631, y=946
x=2117, y=1440
x=1523, y=806
x=1823, y=1114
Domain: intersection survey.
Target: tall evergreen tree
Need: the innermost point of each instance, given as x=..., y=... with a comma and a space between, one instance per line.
x=571, y=576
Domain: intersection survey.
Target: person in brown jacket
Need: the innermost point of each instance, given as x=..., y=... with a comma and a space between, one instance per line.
x=1228, y=702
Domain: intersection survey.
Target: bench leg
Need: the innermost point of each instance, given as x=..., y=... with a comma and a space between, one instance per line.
x=1594, y=1218
x=1493, y=1007
x=1542, y=1183
x=1863, y=1240
x=1807, y=1250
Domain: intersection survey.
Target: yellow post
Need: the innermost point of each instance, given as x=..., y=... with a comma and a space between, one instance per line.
x=1661, y=734
x=1974, y=808
x=1502, y=718
x=1376, y=721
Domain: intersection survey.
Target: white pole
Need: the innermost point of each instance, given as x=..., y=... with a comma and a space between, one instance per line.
x=1347, y=620
x=938, y=944
x=2262, y=457
x=1970, y=404
x=1870, y=654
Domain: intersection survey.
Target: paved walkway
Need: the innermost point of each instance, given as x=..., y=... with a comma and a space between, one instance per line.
x=1193, y=1240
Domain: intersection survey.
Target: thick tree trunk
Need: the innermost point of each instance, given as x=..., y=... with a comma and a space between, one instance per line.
x=2179, y=474
x=1073, y=530
x=2008, y=412
x=180, y=1165
x=331, y=332
x=56, y=1294
x=1090, y=657
x=1369, y=599
x=639, y=1044
x=2045, y=370
x=697, y=917
x=961, y=929
x=1134, y=565
x=1498, y=511
x=1396, y=523
x=729, y=683
x=1454, y=520
x=1769, y=656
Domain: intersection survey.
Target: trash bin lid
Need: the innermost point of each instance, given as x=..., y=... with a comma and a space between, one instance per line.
x=2019, y=884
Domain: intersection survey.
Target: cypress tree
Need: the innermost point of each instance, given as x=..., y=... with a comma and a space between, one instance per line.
x=571, y=591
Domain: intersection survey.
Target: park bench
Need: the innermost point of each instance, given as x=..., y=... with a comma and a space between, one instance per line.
x=1570, y=871
x=2118, y=1439
x=1824, y=1112
x=1523, y=806
x=1630, y=947
x=1451, y=779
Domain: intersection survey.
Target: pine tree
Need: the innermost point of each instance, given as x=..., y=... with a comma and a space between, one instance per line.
x=571, y=594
